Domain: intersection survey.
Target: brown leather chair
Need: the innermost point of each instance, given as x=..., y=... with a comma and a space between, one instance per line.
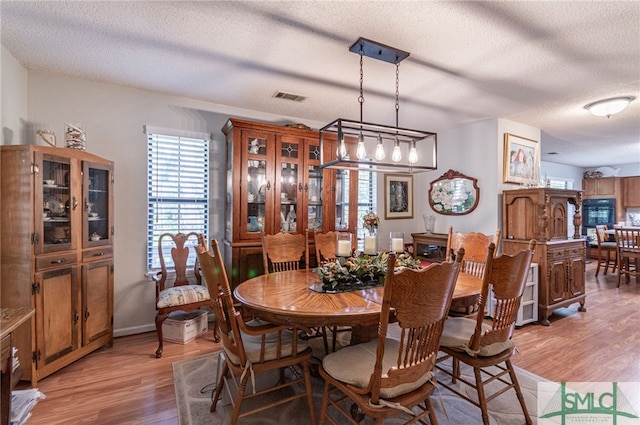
x=385, y=376
x=254, y=347
x=605, y=250
x=481, y=344
x=182, y=294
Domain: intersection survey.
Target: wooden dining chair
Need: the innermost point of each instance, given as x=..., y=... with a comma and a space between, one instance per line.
x=394, y=376
x=475, y=246
x=185, y=293
x=326, y=246
x=628, y=252
x=284, y=251
x=253, y=348
x=483, y=345
x=605, y=250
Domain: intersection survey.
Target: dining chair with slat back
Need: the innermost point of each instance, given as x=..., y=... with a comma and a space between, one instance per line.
x=605, y=250
x=253, y=348
x=182, y=294
x=326, y=247
x=484, y=345
x=628, y=252
x=475, y=246
x=392, y=375
x=284, y=251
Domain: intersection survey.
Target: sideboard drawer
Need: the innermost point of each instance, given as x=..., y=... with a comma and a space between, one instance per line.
x=97, y=254
x=55, y=260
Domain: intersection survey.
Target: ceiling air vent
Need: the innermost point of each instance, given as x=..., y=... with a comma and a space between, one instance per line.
x=289, y=96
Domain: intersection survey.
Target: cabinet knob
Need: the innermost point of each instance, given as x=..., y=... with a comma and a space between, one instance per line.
x=60, y=261
x=269, y=185
x=74, y=202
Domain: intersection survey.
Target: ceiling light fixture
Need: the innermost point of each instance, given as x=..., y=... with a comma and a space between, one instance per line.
x=608, y=107
x=412, y=151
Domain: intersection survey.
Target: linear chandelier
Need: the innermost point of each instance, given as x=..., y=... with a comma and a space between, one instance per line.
x=378, y=147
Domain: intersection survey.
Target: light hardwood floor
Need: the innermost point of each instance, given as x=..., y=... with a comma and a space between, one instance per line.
x=126, y=384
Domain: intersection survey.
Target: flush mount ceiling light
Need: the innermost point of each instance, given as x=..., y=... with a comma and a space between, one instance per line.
x=377, y=147
x=608, y=107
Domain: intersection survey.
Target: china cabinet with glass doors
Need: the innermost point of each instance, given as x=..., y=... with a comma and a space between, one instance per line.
x=57, y=249
x=275, y=184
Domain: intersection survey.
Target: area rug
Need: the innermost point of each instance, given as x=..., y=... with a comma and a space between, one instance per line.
x=194, y=381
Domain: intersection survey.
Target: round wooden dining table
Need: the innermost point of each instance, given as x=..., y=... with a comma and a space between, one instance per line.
x=286, y=298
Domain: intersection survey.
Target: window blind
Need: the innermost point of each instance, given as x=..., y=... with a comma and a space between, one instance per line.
x=367, y=201
x=177, y=190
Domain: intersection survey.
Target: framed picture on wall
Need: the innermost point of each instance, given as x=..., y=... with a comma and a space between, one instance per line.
x=398, y=196
x=521, y=159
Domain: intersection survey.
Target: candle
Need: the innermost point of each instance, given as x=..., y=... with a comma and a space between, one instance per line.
x=344, y=248
x=370, y=245
x=397, y=245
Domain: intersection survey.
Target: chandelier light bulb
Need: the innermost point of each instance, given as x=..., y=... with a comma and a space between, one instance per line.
x=380, y=149
x=413, y=153
x=361, y=153
x=396, y=156
x=343, y=150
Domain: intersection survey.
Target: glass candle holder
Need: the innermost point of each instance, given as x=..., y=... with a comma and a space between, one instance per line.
x=396, y=242
x=371, y=244
x=343, y=244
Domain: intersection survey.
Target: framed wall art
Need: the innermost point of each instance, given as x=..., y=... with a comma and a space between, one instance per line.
x=398, y=196
x=521, y=160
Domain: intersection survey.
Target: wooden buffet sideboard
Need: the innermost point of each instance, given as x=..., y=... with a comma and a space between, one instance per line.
x=543, y=214
x=430, y=246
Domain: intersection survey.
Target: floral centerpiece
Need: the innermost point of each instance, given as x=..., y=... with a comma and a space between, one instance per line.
x=371, y=222
x=360, y=272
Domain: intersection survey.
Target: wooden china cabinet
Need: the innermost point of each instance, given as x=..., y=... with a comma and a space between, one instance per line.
x=543, y=214
x=274, y=183
x=56, y=243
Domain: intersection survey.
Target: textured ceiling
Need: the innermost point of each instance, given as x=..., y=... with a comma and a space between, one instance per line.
x=537, y=63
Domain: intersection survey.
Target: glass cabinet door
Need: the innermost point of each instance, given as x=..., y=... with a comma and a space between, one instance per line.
x=55, y=204
x=97, y=206
x=257, y=192
x=288, y=202
x=313, y=189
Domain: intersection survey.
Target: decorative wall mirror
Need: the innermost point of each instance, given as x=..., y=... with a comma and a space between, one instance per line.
x=453, y=193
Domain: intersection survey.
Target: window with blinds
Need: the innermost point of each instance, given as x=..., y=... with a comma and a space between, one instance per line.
x=367, y=201
x=178, y=190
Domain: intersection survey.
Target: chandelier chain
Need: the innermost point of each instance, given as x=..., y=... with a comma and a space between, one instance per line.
x=361, y=97
x=397, y=91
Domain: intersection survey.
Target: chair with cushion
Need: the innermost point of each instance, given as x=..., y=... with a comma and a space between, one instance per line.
x=475, y=246
x=182, y=294
x=628, y=252
x=253, y=348
x=605, y=250
x=394, y=376
x=283, y=251
x=487, y=346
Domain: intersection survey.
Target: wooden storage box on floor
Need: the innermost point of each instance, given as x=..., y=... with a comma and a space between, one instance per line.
x=182, y=328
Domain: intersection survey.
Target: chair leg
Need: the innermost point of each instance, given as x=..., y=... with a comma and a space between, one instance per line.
x=220, y=386
x=239, y=398
x=325, y=403
x=432, y=415
x=516, y=387
x=598, y=263
x=482, y=400
x=307, y=383
x=160, y=318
